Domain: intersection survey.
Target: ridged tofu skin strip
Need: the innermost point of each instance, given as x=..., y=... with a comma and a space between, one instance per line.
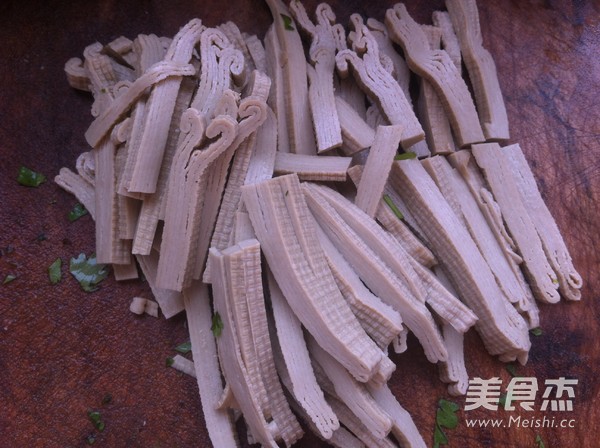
x=569, y=280
x=219, y=422
x=420, y=282
x=289, y=241
x=248, y=303
x=377, y=82
x=380, y=321
x=481, y=68
x=295, y=85
x=503, y=331
x=504, y=186
x=376, y=274
x=303, y=384
x=436, y=67
x=232, y=363
x=353, y=394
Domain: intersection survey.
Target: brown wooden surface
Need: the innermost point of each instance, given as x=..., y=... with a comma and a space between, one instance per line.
x=62, y=350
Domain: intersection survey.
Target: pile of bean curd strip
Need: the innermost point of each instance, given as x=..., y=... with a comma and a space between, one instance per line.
x=307, y=213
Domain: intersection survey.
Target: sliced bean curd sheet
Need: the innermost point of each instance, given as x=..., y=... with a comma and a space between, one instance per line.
x=217, y=157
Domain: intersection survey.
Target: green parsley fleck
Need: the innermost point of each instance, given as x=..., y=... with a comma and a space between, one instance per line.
x=445, y=418
x=30, y=178
x=394, y=207
x=512, y=369
x=90, y=439
x=406, y=156
x=287, y=22
x=96, y=420
x=537, y=331
x=539, y=441
x=169, y=362
x=54, y=271
x=502, y=400
x=217, y=325
x=88, y=272
x=184, y=348
x=9, y=278
x=77, y=212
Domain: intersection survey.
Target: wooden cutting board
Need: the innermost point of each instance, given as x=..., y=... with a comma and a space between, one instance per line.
x=63, y=350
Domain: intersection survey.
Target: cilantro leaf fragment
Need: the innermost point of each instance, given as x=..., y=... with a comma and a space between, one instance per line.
x=502, y=400
x=439, y=438
x=169, y=361
x=406, y=156
x=287, y=22
x=539, y=441
x=445, y=418
x=96, y=420
x=30, y=178
x=90, y=439
x=184, y=348
x=87, y=271
x=537, y=331
x=511, y=368
x=78, y=211
x=394, y=207
x=9, y=278
x=54, y=271
x=217, y=325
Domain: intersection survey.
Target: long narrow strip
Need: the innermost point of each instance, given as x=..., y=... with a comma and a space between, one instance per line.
x=356, y=133
x=248, y=304
x=293, y=349
x=295, y=86
x=315, y=168
x=502, y=329
x=320, y=73
x=569, y=280
x=219, y=423
x=481, y=68
x=380, y=321
x=439, y=70
x=378, y=83
x=376, y=274
x=403, y=426
x=369, y=190
x=504, y=185
x=353, y=394
x=231, y=359
x=286, y=230
x=170, y=302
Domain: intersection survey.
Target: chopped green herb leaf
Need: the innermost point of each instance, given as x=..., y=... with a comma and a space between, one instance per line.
x=537, y=331
x=406, y=156
x=217, y=325
x=539, y=441
x=184, y=348
x=88, y=272
x=512, y=369
x=446, y=414
x=439, y=438
x=502, y=400
x=555, y=281
x=77, y=212
x=96, y=420
x=445, y=418
x=54, y=271
x=9, y=278
x=107, y=399
x=90, y=439
x=287, y=22
x=30, y=178
x=393, y=206
x=169, y=362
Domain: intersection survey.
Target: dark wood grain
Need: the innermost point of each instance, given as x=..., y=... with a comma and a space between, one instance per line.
x=62, y=350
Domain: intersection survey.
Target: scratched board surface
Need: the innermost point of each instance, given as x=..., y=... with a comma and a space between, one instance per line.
x=63, y=350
